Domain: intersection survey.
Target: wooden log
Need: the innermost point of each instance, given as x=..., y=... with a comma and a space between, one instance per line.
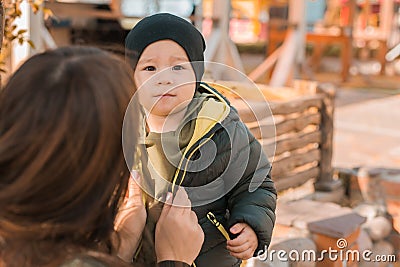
x=299, y=105
x=266, y=65
x=288, y=164
x=291, y=141
x=251, y=111
x=297, y=124
x=266, y=129
x=296, y=179
x=325, y=181
x=254, y=92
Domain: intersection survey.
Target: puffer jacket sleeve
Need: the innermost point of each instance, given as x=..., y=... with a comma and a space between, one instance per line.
x=251, y=192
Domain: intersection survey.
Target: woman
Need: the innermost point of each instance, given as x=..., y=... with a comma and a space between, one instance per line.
x=63, y=176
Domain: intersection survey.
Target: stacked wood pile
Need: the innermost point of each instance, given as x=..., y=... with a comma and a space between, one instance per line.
x=295, y=130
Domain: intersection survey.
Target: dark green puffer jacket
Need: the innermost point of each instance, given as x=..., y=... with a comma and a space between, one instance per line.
x=224, y=171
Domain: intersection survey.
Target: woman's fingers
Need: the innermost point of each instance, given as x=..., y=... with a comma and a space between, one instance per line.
x=182, y=199
x=134, y=190
x=177, y=227
x=167, y=207
x=130, y=221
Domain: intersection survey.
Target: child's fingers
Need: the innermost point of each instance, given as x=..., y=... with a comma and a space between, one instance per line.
x=239, y=249
x=238, y=228
x=244, y=245
x=238, y=241
x=243, y=255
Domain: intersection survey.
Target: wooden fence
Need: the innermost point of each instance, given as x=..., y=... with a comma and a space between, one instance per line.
x=297, y=134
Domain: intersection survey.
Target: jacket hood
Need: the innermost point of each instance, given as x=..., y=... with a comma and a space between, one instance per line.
x=214, y=110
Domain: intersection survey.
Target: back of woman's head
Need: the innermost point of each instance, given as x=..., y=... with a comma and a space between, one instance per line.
x=62, y=170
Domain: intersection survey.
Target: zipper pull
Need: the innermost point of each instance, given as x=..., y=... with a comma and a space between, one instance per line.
x=211, y=217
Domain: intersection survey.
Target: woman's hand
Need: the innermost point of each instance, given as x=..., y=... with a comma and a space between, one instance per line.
x=179, y=237
x=130, y=220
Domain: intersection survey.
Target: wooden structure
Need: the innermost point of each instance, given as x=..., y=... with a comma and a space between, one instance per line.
x=297, y=135
x=290, y=55
x=346, y=31
x=220, y=47
x=341, y=34
x=304, y=132
x=298, y=138
x=319, y=40
x=280, y=35
x=379, y=33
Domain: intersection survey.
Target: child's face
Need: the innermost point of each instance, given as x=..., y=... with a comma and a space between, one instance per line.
x=165, y=78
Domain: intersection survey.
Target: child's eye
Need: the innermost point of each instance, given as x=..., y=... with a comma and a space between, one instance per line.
x=177, y=67
x=149, y=68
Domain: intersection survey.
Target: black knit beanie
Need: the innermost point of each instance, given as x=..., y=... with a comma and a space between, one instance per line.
x=165, y=26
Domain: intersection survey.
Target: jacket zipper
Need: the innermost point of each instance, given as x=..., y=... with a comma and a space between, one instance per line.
x=187, y=162
x=211, y=217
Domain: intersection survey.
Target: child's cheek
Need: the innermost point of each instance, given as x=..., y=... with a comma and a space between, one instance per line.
x=139, y=77
x=144, y=99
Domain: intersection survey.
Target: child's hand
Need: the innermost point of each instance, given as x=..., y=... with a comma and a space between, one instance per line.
x=245, y=244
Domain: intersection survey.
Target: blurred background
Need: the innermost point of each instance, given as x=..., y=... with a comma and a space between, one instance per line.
x=330, y=71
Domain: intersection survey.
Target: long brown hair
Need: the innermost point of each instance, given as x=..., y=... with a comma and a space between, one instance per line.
x=62, y=170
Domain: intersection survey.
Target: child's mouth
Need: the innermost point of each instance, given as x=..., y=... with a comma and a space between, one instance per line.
x=166, y=95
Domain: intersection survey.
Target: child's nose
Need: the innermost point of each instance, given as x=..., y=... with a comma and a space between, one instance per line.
x=164, y=81
x=164, y=78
